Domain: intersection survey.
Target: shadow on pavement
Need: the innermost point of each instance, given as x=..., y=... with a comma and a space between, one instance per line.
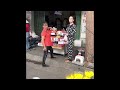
x=35, y=62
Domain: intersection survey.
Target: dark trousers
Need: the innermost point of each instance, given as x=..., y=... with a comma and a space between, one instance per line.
x=46, y=52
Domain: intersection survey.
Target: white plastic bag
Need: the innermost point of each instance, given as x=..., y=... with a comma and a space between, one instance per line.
x=65, y=38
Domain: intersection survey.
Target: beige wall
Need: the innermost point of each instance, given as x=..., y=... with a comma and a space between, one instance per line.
x=90, y=36
x=83, y=27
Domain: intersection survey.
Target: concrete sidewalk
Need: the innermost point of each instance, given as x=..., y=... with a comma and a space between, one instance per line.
x=58, y=68
x=36, y=54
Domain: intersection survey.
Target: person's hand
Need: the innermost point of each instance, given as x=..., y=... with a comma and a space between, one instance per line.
x=44, y=49
x=50, y=28
x=66, y=34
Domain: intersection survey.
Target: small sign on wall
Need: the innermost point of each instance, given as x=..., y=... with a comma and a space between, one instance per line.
x=83, y=21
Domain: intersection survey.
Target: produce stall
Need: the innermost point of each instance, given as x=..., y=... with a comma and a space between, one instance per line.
x=58, y=37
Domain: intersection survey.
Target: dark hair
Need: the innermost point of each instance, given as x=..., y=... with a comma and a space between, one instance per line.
x=45, y=23
x=73, y=19
x=72, y=16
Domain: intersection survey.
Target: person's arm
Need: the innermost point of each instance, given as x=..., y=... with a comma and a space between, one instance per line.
x=67, y=30
x=50, y=28
x=43, y=42
x=43, y=34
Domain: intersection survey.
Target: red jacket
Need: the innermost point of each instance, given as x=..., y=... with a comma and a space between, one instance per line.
x=27, y=27
x=47, y=35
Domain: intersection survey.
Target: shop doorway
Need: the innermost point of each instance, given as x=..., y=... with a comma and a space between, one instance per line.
x=51, y=18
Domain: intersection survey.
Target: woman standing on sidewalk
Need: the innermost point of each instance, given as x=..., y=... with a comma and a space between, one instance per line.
x=71, y=29
x=46, y=42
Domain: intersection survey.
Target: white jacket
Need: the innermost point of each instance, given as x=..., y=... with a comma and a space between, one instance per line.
x=33, y=35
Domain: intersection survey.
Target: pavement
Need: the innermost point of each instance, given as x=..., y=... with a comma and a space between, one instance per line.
x=57, y=69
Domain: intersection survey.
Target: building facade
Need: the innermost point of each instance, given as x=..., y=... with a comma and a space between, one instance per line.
x=38, y=17
x=84, y=22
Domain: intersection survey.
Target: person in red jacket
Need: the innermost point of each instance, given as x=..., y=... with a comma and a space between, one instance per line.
x=27, y=35
x=46, y=42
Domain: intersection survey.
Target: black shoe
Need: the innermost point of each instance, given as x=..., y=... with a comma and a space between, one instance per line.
x=53, y=57
x=44, y=65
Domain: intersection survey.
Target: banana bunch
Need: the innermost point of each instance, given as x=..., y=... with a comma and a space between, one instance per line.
x=78, y=76
x=75, y=76
x=86, y=75
x=89, y=74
